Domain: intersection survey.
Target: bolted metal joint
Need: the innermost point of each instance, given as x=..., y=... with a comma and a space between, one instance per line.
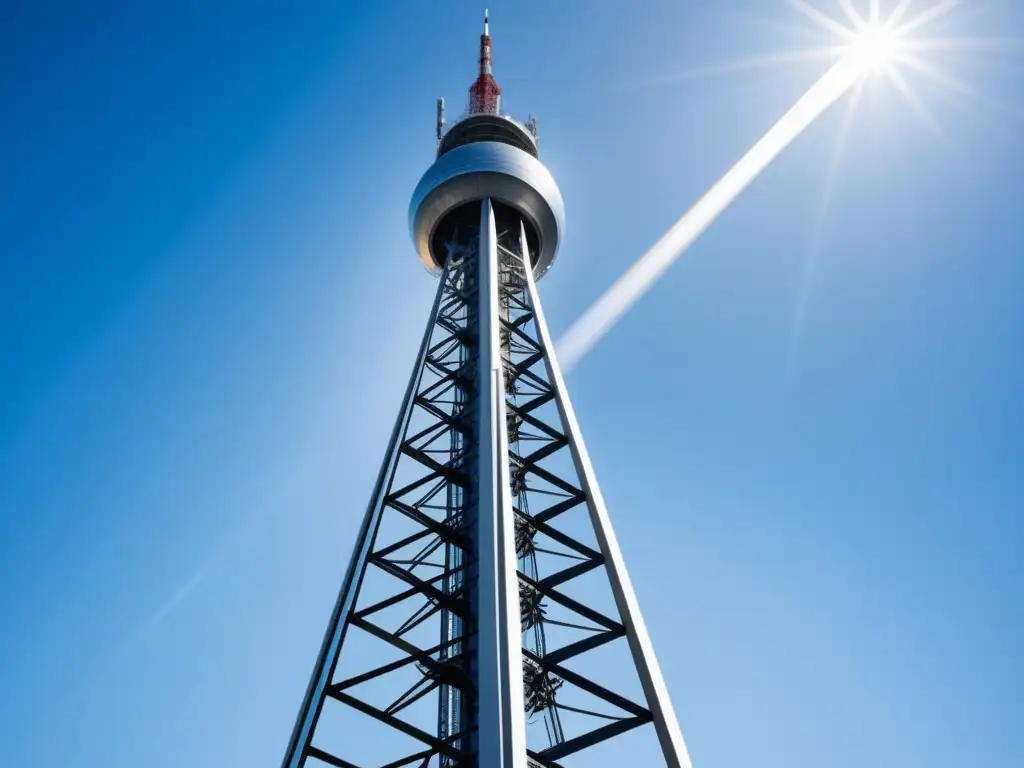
x=541, y=687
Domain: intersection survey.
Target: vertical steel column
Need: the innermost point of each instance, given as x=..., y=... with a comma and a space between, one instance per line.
x=500, y=719
x=667, y=727
x=327, y=660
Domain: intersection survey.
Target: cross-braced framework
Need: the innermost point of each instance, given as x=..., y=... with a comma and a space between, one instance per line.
x=400, y=678
x=557, y=628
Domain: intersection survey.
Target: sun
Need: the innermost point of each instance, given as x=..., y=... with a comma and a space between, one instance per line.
x=864, y=44
x=874, y=48
x=889, y=45
x=875, y=43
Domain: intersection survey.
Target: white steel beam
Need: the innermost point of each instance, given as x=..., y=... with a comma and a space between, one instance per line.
x=667, y=727
x=501, y=715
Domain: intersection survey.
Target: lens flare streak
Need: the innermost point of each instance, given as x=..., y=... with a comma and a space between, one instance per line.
x=872, y=45
x=596, y=321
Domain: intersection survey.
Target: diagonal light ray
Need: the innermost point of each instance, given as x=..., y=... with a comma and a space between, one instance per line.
x=937, y=75
x=920, y=109
x=617, y=300
x=953, y=85
x=810, y=266
x=898, y=13
x=824, y=20
x=801, y=30
x=851, y=13
x=865, y=55
x=763, y=62
x=980, y=54
x=986, y=44
x=934, y=13
x=176, y=597
x=729, y=67
x=844, y=133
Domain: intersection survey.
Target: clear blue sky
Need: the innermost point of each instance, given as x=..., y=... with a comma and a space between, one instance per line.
x=209, y=305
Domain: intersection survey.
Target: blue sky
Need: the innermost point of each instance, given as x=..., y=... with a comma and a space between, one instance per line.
x=209, y=304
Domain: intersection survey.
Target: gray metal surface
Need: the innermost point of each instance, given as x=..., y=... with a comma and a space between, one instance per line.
x=502, y=727
x=500, y=128
x=488, y=170
x=670, y=735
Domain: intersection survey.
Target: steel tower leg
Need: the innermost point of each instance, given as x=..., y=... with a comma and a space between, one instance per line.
x=502, y=728
x=487, y=595
x=669, y=734
x=327, y=659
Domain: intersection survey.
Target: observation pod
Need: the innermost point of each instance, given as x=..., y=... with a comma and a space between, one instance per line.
x=486, y=156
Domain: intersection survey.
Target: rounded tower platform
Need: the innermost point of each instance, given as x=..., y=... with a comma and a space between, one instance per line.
x=486, y=155
x=448, y=196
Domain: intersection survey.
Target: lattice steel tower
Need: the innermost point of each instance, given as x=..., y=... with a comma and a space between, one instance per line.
x=486, y=617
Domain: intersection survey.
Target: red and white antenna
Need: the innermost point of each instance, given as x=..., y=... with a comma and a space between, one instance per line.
x=484, y=93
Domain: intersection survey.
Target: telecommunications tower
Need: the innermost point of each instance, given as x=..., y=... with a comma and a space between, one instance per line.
x=486, y=618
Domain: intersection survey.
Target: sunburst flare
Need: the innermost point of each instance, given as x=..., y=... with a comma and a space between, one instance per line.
x=870, y=45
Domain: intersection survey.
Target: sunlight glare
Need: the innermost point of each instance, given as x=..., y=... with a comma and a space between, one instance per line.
x=625, y=292
x=875, y=47
x=871, y=46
